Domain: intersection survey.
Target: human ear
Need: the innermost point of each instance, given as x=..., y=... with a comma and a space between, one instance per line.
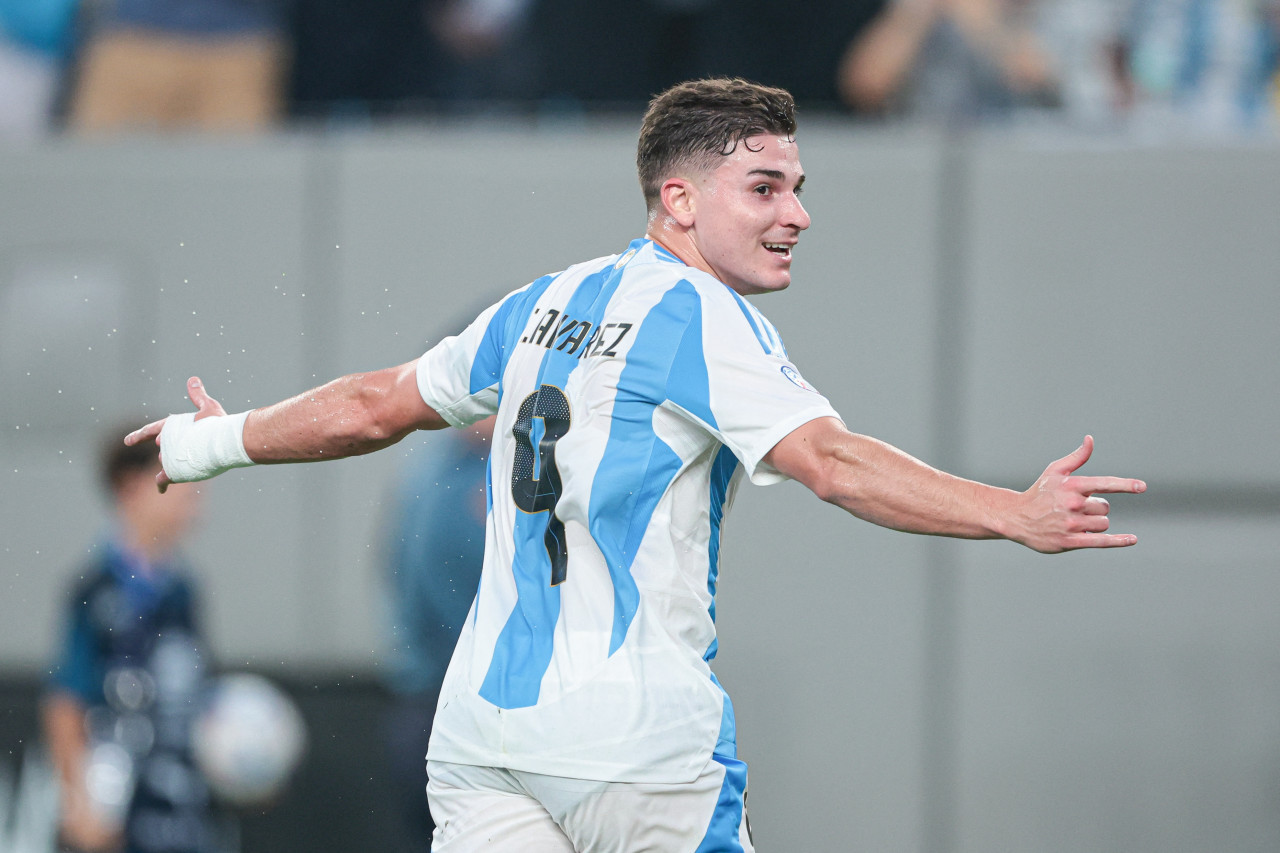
x=679, y=199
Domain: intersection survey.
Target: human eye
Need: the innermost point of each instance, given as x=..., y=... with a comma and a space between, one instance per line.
x=762, y=189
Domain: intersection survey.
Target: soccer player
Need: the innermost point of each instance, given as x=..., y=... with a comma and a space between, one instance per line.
x=632, y=393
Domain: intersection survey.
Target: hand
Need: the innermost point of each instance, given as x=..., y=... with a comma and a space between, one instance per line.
x=1062, y=512
x=206, y=407
x=82, y=828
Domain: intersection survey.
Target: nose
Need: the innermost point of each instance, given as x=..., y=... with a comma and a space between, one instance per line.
x=794, y=215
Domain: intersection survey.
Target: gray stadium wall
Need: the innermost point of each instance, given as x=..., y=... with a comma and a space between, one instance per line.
x=982, y=302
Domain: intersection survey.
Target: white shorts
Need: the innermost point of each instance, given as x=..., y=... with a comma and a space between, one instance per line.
x=495, y=810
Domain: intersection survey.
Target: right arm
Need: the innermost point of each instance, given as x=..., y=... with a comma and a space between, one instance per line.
x=350, y=416
x=878, y=61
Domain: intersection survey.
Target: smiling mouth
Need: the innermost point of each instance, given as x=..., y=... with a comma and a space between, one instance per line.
x=780, y=249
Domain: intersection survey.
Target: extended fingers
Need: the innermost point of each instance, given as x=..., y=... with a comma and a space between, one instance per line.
x=1107, y=485
x=151, y=430
x=1099, y=540
x=1089, y=521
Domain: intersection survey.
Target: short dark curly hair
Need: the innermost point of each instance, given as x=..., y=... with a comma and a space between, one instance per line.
x=118, y=461
x=695, y=122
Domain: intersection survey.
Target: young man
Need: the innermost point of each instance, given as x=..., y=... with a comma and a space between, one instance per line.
x=632, y=392
x=123, y=691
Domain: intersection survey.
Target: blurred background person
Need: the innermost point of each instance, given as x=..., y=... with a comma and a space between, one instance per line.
x=35, y=42
x=434, y=548
x=579, y=56
x=355, y=61
x=123, y=691
x=949, y=61
x=210, y=65
x=1197, y=65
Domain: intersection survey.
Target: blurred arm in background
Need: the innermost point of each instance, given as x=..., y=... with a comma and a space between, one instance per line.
x=991, y=42
x=63, y=717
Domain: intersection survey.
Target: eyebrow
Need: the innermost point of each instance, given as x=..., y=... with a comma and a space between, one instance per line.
x=774, y=174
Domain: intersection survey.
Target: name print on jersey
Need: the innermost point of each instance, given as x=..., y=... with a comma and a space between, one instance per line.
x=577, y=337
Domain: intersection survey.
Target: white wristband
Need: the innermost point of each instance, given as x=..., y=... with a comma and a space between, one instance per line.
x=193, y=449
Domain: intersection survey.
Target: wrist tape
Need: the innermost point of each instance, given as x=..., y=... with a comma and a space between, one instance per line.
x=192, y=450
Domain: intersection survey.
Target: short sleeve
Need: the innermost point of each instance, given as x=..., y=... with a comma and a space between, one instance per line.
x=459, y=376
x=74, y=671
x=754, y=395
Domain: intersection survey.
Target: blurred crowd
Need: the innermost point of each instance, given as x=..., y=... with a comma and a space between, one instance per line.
x=1167, y=66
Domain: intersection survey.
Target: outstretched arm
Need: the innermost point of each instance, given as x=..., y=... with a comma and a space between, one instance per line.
x=879, y=483
x=349, y=416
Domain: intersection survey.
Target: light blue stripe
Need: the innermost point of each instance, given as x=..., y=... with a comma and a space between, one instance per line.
x=665, y=362
x=745, y=308
x=775, y=341
x=725, y=827
x=1197, y=36
x=722, y=471
x=727, y=741
x=491, y=361
x=526, y=643
x=488, y=492
x=501, y=334
x=774, y=338
x=766, y=334
x=663, y=253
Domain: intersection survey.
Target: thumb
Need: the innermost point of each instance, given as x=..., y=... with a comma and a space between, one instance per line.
x=1073, y=460
x=195, y=390
x=205, y=404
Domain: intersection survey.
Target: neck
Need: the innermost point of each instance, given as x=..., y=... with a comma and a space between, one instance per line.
x=679, y=243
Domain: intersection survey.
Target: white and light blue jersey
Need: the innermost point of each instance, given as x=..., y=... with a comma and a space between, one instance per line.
x=632, y=392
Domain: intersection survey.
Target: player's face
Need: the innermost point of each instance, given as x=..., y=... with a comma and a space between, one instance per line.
x=749, y=216
x=163, y=520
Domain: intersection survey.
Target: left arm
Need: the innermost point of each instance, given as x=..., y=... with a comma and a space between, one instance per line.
x=881, y=484
x=62, y=717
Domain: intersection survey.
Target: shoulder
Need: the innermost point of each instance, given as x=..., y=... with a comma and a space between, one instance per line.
x=184, y=586
x=93, y=579
x=649, y=267
x=513, y=310
x=736, y=318
x=682, y=289
x=572, y=273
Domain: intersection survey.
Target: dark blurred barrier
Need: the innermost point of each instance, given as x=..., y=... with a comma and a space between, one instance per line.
x=340, y=798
